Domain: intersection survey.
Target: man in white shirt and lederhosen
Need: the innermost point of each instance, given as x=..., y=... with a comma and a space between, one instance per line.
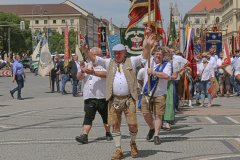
x=205, y=71
x=94, y=78
x=121, y=92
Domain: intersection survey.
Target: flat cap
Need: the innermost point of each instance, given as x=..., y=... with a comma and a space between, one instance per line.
x=119, y=47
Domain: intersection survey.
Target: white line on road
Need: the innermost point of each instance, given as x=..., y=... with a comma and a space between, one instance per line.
x=233, y=120
x=211, y=120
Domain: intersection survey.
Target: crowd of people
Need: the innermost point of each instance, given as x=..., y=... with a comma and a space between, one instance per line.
x=154, y=83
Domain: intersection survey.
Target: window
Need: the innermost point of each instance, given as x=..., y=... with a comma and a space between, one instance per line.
x=45, y=22
x=197, y=21
x=72, y=21
x=63, y=21
x=217, y=20
x=54, y=21
x=36, y=21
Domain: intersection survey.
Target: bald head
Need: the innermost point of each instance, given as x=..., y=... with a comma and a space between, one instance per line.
x=96, y=51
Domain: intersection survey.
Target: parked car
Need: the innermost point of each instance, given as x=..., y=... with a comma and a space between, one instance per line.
x=34, y=67
x=26, y=62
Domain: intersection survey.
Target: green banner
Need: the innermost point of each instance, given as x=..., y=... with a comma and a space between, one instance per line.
x=132, y=40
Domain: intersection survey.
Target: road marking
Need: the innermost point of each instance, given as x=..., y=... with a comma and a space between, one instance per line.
x=221, y=157
x=233, y=120
x=211, y=120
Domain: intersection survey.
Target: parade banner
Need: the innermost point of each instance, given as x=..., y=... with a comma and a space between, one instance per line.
x=66, y=47
x=103, y=38
x=45, y=62
x=214, y=39
x=112, y=41
x=132, y=40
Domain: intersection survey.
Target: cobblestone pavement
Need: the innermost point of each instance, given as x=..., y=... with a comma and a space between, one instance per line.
x=44, y=125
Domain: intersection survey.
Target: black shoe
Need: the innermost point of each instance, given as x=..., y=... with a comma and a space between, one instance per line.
x=109, y=136
x=20, y=98
x=150, y=134
x=12, y=94
x=157, y=140
x=82, y=139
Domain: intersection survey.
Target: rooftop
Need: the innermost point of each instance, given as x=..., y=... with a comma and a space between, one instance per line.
x=36, y=9
x=206, y=5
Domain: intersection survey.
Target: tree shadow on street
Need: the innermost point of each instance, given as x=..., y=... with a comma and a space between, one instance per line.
x=28, y=98
x=4, y=105
x=147, y=153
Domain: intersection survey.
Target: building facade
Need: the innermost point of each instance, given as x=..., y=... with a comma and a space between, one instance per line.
x=56, y=17
x=204, y=15
x=230, y=17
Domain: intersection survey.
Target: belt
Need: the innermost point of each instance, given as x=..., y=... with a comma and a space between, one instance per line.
x=122, y=97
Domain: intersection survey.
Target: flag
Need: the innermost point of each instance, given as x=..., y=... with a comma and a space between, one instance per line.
x=111, y=27
x=45, y=62
x=36, y=51
x=190, y=56
x=99, y=37
x=156, y=21
x=172, y=37
x=137, y=11
x=197, y=49
x=226, y=61
x=66, y=47
x=86, y=40
x=77, y=50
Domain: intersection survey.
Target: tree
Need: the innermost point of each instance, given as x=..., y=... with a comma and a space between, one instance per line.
x=20, y=41
x=56, y=42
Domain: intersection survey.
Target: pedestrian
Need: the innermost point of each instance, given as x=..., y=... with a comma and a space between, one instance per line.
x=64, y=76
x=73, y=70
x=94, y=98
x=172, y=100
x=206, y=72
x=18, y=76
x=54, y=74
x=121, y=92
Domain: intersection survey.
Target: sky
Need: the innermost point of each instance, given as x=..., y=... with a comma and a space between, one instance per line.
x=115, y=9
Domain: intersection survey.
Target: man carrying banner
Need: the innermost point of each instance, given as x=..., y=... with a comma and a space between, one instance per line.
x=159, y=72
x=121, y=92
x=94, y=98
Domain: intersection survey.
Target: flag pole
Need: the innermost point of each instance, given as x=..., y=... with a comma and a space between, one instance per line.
x=149, y=25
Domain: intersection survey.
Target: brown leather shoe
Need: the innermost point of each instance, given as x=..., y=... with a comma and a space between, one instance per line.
x=134, y=150
x=118, y=154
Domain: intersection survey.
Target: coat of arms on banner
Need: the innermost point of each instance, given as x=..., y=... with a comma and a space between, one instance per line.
x=133, y=40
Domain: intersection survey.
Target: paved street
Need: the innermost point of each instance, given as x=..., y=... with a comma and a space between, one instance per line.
x=44, y=125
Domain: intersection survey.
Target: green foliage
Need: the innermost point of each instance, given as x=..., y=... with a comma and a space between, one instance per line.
x=20, y=41
x=56, y=42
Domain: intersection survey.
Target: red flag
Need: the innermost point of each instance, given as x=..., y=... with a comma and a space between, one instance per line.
x=66, y=47
x=226, y=55
x=138, y=9
x=190, y=56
